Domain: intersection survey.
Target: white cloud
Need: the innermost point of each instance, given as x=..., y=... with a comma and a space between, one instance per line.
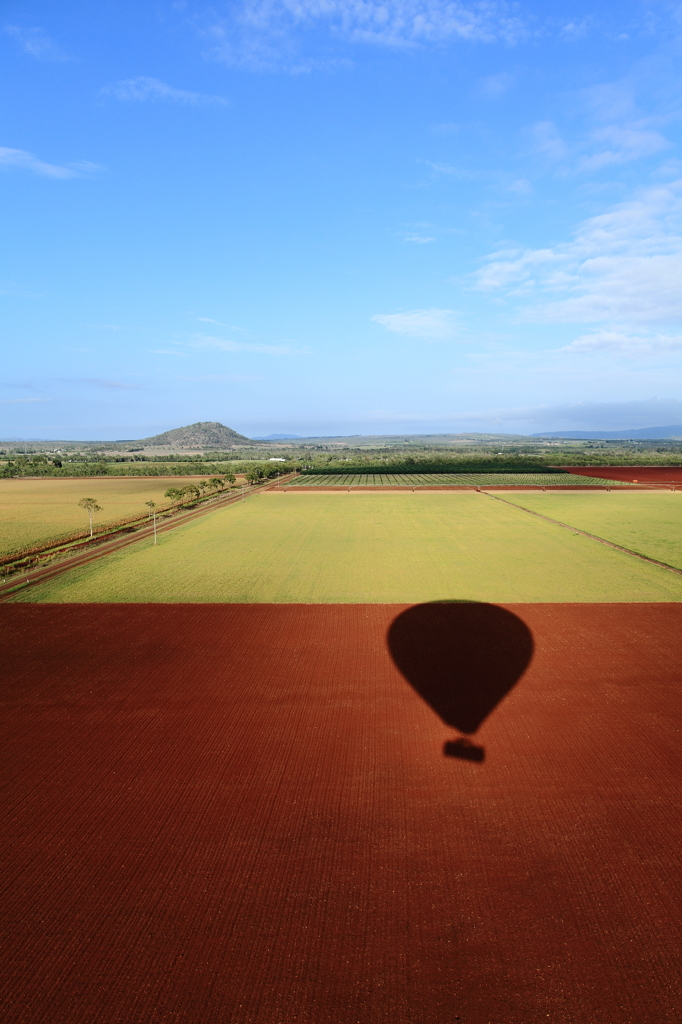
x=36, y=43
x=419, y=239
x=260, y=33
x=29, y=162
x=627, y=344
x=420, y=323
x=623, y=266
x=143, y=88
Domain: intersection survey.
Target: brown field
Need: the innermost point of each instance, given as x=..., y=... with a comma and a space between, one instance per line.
x=242, y=814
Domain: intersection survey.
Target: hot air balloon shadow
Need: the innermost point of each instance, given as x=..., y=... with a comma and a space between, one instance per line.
x=462, y=658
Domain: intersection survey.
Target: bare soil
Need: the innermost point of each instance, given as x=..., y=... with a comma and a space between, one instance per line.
x=258, y=814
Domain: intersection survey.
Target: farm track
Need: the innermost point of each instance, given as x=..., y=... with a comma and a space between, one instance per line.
x=243, y=814
x=592, y=536
x=101, y=548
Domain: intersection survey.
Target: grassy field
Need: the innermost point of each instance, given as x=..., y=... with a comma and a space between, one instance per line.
x=36, y=510
x=649, y=522
x=451, y=479
x=403, y=547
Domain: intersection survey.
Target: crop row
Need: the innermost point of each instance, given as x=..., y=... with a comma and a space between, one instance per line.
x=450, y=479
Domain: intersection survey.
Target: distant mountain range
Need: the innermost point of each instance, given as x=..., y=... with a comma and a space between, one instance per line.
x=279, y=437
x=645, y=433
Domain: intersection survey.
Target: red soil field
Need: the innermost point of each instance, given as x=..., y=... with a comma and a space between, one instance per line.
x=640, y=474
x=244, y=815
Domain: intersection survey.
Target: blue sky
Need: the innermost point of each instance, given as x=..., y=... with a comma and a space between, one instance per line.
x=333, y=216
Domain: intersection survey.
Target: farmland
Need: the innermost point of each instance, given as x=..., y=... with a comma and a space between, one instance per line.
x=234, y=790
x=649, y=522
x=449, y=480
x=382, y=547
x=243, y=814
x=32, y=511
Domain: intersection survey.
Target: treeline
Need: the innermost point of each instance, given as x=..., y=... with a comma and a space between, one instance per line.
x=42, y=467
x=505, y=464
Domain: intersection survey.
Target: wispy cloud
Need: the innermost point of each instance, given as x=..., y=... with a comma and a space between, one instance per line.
x=101, y=382
x=434, y=324
x=266, y=35
x=208, y=320
x=23, y=160
x=623, y=266
x=492, y=86
x=36, y=43
x=20, y=401
x=625, y=344
x=228, y=345
x=601, y=147
x=419, y=239
x=144, y=89
x=223, y=378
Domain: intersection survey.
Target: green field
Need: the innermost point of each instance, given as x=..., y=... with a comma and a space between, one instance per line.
x=451, y=480
x=649, y=522
x=401, y=547
x=32, y=511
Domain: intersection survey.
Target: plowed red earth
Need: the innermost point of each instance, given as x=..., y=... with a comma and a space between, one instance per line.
x=243, y=815
x=640, y=474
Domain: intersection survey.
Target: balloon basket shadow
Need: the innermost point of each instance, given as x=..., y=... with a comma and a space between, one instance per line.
x=465, y=750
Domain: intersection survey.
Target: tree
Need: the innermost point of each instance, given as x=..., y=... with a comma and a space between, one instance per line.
x=216, y=482
x=152, y=511
x=90, y=505
x=173, y=493
x=255, y=474
x=190, y=492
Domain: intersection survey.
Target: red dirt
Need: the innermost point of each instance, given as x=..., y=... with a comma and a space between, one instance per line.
x=243, y=815
x=641, y=474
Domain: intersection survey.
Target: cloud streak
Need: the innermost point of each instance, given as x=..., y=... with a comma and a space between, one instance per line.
x=625, y=344
x=25, y=161
x=36, y=43
x=433, y=324
x=144, y=89
x=228, y=345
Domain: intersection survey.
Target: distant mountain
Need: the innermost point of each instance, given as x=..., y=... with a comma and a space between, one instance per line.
x=648, y=433
x=198, y=435
x=279, y=437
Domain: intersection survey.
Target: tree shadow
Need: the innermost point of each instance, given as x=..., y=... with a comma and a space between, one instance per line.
x=462, y=658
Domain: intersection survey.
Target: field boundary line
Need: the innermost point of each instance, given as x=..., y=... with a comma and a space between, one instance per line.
x=48, y=572
x=584, y=533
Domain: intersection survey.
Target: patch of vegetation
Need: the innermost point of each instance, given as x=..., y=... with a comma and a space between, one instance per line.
x=406, y=548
